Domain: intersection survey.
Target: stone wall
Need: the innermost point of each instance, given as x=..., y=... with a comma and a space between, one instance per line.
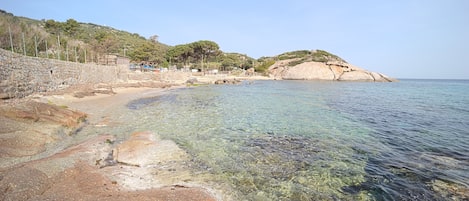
x=21, y=75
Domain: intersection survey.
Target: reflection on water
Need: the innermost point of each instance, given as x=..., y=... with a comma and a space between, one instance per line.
x=297, y=140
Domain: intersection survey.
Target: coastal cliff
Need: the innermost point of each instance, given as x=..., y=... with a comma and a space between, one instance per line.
x=320, y=65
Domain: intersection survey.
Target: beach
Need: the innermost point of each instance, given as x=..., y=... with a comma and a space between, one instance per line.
x=99, y=167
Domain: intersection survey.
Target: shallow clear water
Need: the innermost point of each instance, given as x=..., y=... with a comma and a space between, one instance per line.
x=303, y=140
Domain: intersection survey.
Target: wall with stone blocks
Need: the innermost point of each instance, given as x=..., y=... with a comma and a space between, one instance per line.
x=23, y=75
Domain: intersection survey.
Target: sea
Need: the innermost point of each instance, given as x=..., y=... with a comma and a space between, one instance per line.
x=313, y=140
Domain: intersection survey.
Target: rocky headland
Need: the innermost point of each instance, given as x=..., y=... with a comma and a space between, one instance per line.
x=320, y=65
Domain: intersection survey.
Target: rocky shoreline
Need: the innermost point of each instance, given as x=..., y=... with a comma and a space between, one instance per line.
x=40, y=161
x=44, y=157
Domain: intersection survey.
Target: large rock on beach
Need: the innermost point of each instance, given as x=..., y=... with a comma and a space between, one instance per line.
x=79, y=173
x=27, y=127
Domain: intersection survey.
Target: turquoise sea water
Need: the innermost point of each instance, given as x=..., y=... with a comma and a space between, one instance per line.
x=305, y=140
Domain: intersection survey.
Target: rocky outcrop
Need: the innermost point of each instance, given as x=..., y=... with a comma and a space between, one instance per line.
x=76, y=174
x=332, y=71
x=227, y=81
x=27, y=127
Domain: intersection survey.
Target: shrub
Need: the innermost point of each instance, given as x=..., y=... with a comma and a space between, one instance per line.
x=294, y=54
x=323, y=56
x=264, y=66
x=296, y=62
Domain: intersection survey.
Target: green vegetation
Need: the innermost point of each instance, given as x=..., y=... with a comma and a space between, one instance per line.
x=87, y=42
x=233, y=61
x=301, y=56
x=323, y=56
x=264, y=65
x=296, y=62
x=294, y=54
x=202, y=52
x=75, y=41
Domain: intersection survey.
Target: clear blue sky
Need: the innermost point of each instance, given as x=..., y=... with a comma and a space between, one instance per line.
x=400, y=38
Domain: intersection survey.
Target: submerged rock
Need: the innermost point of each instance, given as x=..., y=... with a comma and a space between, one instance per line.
x=270, y=163
x=144, y=148
x=227, y=81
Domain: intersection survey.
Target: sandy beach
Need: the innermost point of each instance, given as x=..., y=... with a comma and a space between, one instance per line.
x=100, y=104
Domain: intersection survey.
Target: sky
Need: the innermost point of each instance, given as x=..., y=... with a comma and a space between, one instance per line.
x=427, y=39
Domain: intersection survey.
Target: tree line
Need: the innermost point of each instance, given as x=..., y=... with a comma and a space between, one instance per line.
x=86, y=42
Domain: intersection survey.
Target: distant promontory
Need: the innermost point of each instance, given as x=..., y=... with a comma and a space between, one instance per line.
x=318, y=65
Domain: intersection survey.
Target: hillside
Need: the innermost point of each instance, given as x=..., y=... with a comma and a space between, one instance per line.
x=86, y=42
x=74, y=41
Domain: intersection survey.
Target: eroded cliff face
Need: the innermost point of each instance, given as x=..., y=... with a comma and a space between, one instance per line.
x=331, y=71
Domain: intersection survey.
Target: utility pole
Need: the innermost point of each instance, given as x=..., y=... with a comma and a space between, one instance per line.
x=11, y=39
x=47, y=52
x=35, y=45
x=85, y=55
x=66, y=51
x=76, y=58
x=24, y=45
x=58, y=49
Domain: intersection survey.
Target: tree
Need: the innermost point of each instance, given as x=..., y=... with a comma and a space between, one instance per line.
x=149, y=52
x=229, y=60
x=180, y=53
x=53, y=27
x=204, y=49
x=71, y=27
x=105, y=43
x=154, y=38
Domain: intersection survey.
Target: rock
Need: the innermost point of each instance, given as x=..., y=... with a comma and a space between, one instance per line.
x=104, y=91
x=309, y=71
x=5, y=96
x=337, y=70
x=250, y=71
x=82, y=94
x=143, y=148
x=191, y=81
x=27, y=127
x=356, y=76
x=330, y=70
x=379, y=78
x=227, y=81
x=23, y=183
x=72, y=175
